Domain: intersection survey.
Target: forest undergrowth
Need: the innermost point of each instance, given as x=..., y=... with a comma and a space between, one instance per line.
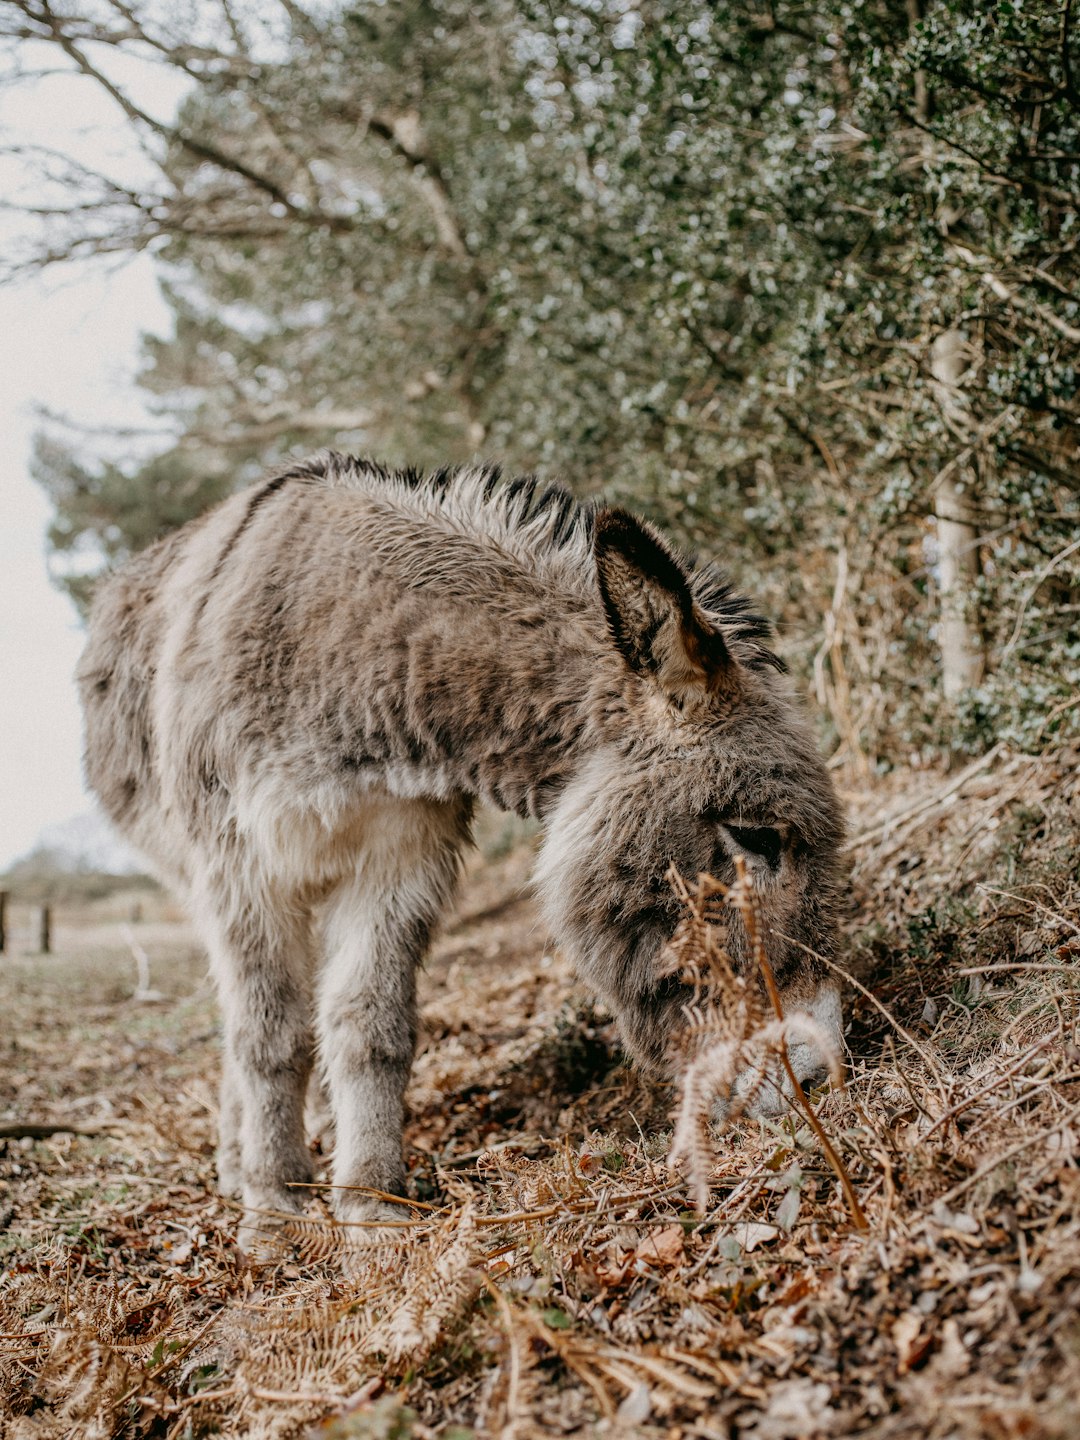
x=555, y=1271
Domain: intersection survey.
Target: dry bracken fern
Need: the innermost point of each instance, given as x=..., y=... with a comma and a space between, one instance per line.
x=440, y=1278
x=734, y=1040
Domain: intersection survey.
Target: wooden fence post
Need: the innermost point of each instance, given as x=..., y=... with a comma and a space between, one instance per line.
x=46, y=930
x=3, y=920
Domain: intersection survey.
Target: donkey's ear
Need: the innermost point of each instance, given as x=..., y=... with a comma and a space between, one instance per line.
x=650, y=608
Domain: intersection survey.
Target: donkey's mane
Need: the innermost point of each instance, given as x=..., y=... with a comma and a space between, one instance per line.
x=536, y=521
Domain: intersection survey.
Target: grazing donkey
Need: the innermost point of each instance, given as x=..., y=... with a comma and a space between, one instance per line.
x=293, y=702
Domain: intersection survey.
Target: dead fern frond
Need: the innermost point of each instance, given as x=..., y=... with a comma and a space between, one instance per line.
x=520, y=1381
x=736, y=1035
x=441, y=1277
x=518, y=1182
x=708, y=1076
x=88, y=1380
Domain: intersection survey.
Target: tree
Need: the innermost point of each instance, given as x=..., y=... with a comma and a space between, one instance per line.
x=701, y=255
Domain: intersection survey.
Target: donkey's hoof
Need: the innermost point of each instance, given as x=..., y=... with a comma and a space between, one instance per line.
x=230, y=1182
x=380, y=1218
x=368, y=1229
x=265, y=1235
x=262, y=1242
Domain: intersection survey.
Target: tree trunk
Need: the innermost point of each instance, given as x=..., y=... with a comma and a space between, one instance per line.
x=962, y=659
x=922, y=91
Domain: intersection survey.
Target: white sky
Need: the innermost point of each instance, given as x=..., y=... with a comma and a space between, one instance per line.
x=70, y=346
x=69, y=341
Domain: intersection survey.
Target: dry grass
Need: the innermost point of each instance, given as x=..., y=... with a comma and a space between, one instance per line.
x=554, y=1277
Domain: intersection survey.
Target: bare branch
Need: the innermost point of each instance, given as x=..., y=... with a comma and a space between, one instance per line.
x=200, y=148
x=1047, y=316
x=405, y=136
x=182, y=55
x=269, y=427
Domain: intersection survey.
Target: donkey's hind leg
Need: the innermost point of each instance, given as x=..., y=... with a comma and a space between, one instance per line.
x=261, y=956
x=378, y=925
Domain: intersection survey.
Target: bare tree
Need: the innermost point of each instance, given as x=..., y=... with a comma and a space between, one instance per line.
x=258, y=189
x=962, y=658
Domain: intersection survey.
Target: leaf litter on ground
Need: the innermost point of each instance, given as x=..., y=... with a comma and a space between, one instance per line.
x=556, y=1275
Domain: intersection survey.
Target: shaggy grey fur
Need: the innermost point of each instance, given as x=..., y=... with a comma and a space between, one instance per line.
x=293, y=703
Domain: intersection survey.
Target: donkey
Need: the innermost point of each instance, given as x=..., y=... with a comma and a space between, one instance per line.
x=293, y=703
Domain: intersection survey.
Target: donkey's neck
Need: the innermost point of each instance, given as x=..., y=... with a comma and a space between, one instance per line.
x=508, y=720
x=491, y=699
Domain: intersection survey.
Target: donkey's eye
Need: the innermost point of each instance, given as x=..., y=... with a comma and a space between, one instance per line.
x=759, y=840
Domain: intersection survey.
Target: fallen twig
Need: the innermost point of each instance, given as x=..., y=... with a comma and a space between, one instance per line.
x=42, y=1129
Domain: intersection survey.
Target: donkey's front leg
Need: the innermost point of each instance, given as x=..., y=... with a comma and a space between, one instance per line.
x=367, y=1035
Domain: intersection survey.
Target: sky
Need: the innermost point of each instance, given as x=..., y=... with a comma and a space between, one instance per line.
x=70, y=343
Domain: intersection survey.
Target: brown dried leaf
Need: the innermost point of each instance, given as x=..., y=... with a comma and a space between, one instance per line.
x=663, y=1248
x=910, y=1344
x=754, y=1233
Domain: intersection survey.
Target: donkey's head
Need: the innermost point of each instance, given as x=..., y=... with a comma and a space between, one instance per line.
x=699, y=755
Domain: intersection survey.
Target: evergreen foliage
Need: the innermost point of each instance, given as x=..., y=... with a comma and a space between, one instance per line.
x=691, y=254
